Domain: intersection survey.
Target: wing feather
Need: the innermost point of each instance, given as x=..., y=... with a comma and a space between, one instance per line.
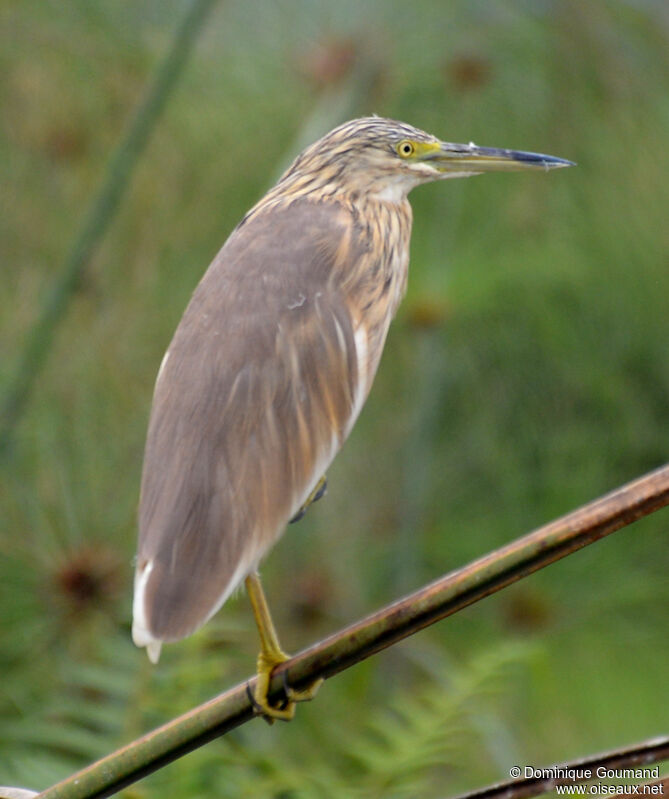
x=257, y=395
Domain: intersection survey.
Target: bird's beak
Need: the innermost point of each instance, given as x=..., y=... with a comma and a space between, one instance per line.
x=453, y=160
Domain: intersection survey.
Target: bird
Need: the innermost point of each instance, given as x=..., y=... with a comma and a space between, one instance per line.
x=269, y=368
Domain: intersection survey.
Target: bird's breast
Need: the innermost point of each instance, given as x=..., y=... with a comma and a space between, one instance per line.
x=379, y=279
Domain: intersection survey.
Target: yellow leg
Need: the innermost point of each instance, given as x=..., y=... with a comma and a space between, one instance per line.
x=269, y=657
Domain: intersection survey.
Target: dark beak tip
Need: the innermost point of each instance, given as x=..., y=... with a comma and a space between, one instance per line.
x=547, y=161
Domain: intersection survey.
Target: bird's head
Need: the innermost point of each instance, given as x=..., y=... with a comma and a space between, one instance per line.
x=387, y=159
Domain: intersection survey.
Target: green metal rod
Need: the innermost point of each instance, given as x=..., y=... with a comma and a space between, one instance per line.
x=98, y=218
x=445, y=596
x=638, y=756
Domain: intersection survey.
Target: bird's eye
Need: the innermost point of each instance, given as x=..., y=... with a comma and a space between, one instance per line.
x=405, y=148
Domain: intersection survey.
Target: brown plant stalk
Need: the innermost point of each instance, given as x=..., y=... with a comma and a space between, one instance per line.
x=587, y=769
x=399, y=620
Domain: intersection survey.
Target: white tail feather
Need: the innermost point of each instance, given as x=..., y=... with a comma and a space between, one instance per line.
x=140, y=630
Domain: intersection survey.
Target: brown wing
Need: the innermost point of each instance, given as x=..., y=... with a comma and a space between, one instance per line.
x=254, y=398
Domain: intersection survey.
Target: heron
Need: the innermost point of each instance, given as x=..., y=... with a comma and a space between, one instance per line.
x=269, y=368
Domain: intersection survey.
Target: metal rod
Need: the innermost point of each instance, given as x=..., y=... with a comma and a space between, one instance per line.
x=431, y=603
x=639, y=755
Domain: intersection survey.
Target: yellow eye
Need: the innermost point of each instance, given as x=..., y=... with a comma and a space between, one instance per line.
x=405, y=148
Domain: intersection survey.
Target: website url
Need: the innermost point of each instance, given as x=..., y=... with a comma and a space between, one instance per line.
x=602, y=789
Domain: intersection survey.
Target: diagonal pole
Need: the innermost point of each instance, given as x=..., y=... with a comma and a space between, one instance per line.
x=602, y=768
x=433, y=602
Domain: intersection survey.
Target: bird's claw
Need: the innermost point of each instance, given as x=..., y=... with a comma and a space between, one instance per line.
x=304, y=694
x=259, y=699
x=262, y=707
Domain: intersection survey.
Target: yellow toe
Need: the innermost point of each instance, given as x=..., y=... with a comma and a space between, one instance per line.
x=286, y=710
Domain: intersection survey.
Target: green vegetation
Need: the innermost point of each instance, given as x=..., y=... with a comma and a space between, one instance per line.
x=527, y=373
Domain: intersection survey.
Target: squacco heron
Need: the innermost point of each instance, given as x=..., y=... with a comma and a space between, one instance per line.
x=270, y=366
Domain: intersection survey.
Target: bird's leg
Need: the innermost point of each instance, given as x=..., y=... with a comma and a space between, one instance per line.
x=270, y=656
x=316, y=494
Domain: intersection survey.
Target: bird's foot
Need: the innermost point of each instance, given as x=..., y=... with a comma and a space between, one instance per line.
x=267, y=662
x=316, y=494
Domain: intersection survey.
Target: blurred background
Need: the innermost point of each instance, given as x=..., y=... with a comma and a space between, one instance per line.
x=527, y=373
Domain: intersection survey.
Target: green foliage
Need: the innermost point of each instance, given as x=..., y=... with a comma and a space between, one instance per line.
x=527, y=373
